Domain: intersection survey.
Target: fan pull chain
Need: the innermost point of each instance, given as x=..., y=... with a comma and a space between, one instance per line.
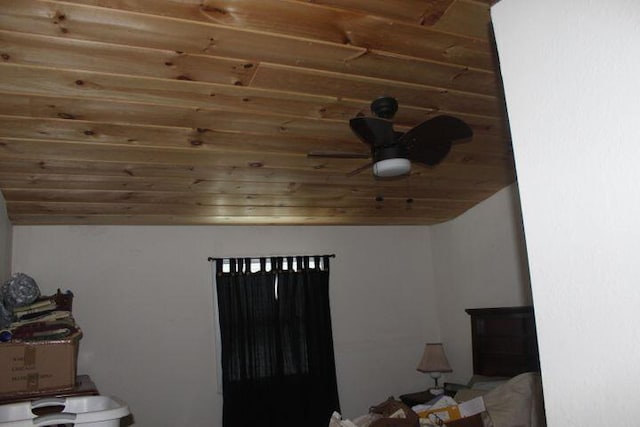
x=409, y=201
x=379, y=196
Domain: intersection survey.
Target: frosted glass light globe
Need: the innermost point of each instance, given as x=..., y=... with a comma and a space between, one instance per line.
x=392, y=167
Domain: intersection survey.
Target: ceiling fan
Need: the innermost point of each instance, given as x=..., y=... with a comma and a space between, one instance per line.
x=392, y=152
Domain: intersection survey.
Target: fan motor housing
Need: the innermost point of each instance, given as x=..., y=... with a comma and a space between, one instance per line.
x=389, y=152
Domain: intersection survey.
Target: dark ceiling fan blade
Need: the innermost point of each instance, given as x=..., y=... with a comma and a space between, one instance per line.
x=361, y=168
x=338, y=155
x=430, y=142
x=430, y=153
x=373, y=130
x=445, y=128
x=397, y=135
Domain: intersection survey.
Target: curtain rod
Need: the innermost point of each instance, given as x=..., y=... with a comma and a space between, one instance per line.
x=278, y=256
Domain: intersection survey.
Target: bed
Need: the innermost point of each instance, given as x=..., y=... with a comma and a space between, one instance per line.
x=506, y=367
x=505, y=373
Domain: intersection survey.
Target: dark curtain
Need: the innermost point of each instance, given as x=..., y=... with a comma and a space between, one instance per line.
x=278, y=365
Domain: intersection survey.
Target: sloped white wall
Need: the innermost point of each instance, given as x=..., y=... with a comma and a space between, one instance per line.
x=144, y=301
x=570, y=71
x=479, y=261
x=5, y=242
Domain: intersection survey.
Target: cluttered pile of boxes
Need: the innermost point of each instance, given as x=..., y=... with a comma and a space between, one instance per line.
x=39, y=342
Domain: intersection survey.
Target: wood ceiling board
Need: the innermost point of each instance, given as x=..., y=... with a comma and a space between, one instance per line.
x=343, y=86
x=418, y=12
x=50, y=181
x=409, y=69
x=195, y=156
x=487, y=2
x=467, y=17
x=203, y=139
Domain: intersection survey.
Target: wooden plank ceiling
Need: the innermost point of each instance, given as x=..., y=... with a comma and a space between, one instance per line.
x=203, y=111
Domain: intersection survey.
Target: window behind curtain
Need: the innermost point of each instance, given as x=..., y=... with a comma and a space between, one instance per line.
x=278, y=364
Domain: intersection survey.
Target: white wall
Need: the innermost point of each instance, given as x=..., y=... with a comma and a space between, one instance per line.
x=5, y=242
x=570, y=71
x=479, y=261
x=144, y=301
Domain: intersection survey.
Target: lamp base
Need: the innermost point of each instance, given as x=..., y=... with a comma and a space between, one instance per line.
x=436, y=391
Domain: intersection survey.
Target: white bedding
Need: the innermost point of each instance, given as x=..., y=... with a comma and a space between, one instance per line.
x=517, y=402
x=514, y=403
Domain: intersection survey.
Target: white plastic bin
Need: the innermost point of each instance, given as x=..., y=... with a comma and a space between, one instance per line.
x=89, y=411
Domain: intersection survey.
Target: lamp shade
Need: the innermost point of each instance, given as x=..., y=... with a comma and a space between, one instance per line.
x=434, y=359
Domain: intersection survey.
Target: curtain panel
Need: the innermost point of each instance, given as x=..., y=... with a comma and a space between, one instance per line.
x=278, y=365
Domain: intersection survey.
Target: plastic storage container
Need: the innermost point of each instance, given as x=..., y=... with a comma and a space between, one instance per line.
x=87, y=411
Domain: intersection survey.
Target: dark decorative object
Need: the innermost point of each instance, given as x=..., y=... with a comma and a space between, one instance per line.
x=18, y=291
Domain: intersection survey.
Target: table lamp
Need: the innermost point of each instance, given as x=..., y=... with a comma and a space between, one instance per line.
x=435, y=362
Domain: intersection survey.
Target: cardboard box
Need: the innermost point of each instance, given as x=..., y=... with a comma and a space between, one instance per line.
x=446, y=413
x=38, y=365
x=453, y=413
x=472, y=421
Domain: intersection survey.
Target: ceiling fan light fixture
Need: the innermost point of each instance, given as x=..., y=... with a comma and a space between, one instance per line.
x=392, y=167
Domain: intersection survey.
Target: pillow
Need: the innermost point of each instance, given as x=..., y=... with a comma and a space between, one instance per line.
x=487, y=385
x=485, y=378
x=468, y=394
x=518, y=402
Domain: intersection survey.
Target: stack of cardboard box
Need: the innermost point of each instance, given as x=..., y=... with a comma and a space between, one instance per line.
x=39, y=350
